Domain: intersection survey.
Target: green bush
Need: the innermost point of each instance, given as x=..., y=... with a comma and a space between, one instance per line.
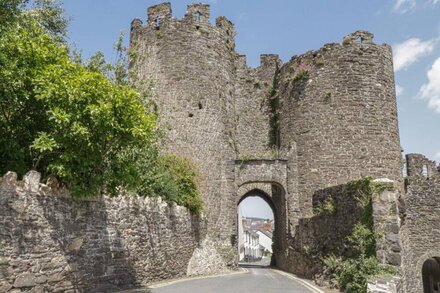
x=302, y=74
x=325, y=208
x=170, y=177
x=353, y=270
x=61, y=119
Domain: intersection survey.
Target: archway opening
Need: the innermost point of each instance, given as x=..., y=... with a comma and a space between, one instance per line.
x=431, y=275
x=256, y=226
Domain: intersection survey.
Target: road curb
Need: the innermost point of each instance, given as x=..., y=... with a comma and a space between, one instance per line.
x=306, y=284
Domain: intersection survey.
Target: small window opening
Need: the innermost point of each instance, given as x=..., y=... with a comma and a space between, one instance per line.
x=359, y=41
x=200, y=106
x=197, y=16
x=190, y=115
x=424, y=171
x=157, y=22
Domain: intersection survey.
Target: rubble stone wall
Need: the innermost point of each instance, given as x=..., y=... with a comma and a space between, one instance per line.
x=420, y=215
x=51, y=242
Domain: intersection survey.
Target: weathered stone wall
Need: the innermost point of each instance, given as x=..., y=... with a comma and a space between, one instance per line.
x=52, y=243
x=336, y=211
x=192, y=64
x=322, y=232
x=252, y=111
x=338, y=105
x=386, y=215
x=420, y=220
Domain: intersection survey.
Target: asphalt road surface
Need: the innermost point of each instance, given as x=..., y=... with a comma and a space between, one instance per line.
x=256, y=280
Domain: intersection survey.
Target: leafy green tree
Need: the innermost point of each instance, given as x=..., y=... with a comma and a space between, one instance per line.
x=61, y=119
x=47, y=13
x=79, y=121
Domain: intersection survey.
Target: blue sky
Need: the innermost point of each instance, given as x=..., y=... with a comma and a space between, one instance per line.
x=289, y=27
x=256, y=207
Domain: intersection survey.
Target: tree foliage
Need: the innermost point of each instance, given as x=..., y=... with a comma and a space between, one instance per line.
x=62, y=119
x=79, y=122
x=353, y=271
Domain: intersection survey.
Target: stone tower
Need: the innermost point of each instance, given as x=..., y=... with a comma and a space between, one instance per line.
x=191, y=63
x=338, y=106
x=285, y=130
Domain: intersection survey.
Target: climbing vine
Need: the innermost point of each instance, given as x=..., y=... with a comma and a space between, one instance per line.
x=274, y=116
x=358, y=262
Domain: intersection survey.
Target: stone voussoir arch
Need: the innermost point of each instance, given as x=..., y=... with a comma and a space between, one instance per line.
x=245, y=188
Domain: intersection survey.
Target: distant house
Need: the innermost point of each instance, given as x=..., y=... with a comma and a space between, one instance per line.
x=265, y=239
x=251, y=249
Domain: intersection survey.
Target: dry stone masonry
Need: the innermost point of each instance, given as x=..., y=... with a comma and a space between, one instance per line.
x=295, y=134
x=53, y=243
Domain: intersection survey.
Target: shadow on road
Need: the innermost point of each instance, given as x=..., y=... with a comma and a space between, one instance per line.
x=253, y=266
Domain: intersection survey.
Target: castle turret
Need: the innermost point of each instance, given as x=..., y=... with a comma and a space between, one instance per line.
x=338, y=105
x=159, y=13
x=192, y=65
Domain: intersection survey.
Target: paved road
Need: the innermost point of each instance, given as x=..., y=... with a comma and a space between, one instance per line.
x=256, y=280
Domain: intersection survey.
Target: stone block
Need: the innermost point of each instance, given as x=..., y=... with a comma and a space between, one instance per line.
x=9, y=181
x=32, y=181
x=5, y=287
x=24, y=280
x=75, y=244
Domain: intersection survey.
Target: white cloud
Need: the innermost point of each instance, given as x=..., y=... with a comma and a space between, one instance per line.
x=437, y=156
x=410, y=51
x=431, y=90
x=404, y=6
x=399, y=90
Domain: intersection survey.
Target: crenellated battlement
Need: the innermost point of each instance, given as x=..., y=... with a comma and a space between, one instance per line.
x=358, y=41
x=420, y=169
x=359, y=38
x=161, y=24
x=198, y=13
x=159, y=13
